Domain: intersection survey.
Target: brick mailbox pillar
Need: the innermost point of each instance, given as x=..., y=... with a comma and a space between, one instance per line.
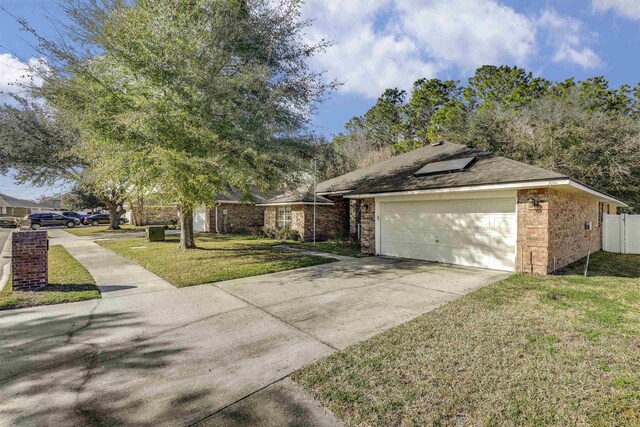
x=29, y=263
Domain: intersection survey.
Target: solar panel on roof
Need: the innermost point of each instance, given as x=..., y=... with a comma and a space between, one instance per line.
x=446, y=166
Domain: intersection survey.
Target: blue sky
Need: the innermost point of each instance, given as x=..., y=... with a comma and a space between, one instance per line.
x=391, y=43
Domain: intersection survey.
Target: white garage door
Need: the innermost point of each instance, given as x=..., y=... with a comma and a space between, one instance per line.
x=474, y=232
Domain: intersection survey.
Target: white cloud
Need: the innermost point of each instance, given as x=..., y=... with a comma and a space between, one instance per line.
x=13, y=73
x=365, y=58
x=626, y=8
x=567, y=36
x=385, y=43
x=469, y=33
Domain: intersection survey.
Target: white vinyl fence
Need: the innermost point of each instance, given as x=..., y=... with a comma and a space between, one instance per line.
x=621, y=234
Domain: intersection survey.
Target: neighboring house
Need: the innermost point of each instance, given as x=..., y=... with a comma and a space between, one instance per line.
x=12, y=206
x=297, y=210
x=232, y=213
x=453, y=204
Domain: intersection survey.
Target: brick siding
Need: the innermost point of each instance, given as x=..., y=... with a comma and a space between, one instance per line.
x=331, y=221
x=568, y=239
x=555, y=230
x=368, y=226
x=239, y=217
x=270, y=217
x=155, y=215
x=29, y=260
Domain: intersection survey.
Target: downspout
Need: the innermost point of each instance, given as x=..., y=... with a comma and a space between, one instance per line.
x=217, y=231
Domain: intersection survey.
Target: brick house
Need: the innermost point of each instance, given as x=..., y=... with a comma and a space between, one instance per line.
x=453, y=204
x=297, y=210
x=232, y=213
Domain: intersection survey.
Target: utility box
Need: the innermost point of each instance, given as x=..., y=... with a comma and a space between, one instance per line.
x=155, y=233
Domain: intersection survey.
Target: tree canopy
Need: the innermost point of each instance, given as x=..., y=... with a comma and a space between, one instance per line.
x=188, y=97
x=585, y=129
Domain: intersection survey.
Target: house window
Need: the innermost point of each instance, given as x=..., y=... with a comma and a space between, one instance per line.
x=283, y=216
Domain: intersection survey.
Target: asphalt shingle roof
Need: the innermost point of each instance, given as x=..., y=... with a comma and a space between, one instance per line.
x=397, y=173
x=302, y=194
x=13, y=202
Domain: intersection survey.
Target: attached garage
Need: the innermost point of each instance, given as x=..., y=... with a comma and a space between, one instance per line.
x=473, y=231
x=458, y=205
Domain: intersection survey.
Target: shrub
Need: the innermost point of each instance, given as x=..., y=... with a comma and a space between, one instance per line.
x=268, y=232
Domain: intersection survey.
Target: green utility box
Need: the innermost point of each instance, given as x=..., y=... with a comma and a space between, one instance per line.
x=155, y=233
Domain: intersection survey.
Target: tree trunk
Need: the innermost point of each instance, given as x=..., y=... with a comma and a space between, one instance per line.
x=138, y=213
x=187, y=240
x=114, y=215
x=114, y=219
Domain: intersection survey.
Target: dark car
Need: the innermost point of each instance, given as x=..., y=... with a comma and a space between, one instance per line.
x=98, y=219
x=72, y=214
x=50, y=219
x=8, y=222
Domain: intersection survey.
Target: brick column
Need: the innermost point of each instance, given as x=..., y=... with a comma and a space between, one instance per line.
x=533, y=233
x=368, y=226
x=29, y=260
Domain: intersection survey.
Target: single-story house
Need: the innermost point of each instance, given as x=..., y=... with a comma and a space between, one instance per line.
x=453, y=204
x=231, y=213
x=234, y=213
x=308, y=214
x=12, y=206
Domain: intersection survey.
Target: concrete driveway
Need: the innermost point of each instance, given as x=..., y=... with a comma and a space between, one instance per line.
x=211, y=354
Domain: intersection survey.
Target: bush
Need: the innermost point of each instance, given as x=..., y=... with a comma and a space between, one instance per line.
x=268, y=232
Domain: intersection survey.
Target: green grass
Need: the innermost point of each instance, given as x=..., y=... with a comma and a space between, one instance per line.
x=346, y=249
x=89, y=230
x=69, y=281
x=217, y=258
x=562, y=350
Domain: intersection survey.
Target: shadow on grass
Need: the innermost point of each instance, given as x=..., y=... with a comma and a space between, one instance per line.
x=76, y=370
x=606, y=264
x=62, y=287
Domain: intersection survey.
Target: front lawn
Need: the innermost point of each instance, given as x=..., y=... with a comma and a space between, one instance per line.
x=69, y=281
x=346, y=249
x=564, y=350
x=217, y=258
x=89, y=230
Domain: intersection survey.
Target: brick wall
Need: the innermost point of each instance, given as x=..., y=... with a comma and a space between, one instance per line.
x=270, y=217
x=330, y=220
x=154, y=215
x=555, y=229
x=533, y=232
x=29, y=260
x=568, y=239
x=368, y=226
x=239, y=217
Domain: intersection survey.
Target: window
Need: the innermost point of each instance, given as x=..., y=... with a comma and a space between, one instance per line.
x=283, y=216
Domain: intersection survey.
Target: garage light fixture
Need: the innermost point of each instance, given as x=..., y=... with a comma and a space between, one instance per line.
x=534, y=204
x=447, y=166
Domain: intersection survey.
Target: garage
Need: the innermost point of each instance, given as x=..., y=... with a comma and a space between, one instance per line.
x=478, y=232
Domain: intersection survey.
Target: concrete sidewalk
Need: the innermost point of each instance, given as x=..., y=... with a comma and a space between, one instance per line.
x=115, y=275
x=151, y=354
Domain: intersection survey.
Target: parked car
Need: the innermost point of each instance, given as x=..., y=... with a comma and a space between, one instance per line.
x=8, y=222
x=98, y=219
x=50, y=219
x=73, y=214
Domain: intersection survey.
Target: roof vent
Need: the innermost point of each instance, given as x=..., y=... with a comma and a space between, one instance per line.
x=447, y=166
